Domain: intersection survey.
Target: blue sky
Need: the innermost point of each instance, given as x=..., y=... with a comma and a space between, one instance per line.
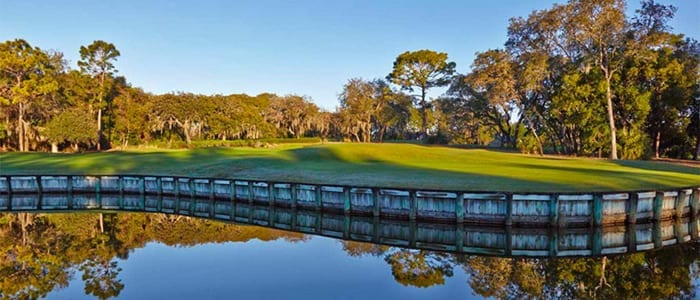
x=304, y=47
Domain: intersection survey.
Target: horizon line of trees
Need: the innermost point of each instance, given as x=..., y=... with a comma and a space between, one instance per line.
x=580, y=78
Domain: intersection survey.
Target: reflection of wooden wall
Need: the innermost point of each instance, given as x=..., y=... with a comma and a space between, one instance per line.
x=462, y=238
x=540, y=209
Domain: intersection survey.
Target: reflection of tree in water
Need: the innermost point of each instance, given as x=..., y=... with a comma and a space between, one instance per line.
x=41, y=252
x=410, y=267
x=661, y=274
x=30, y=262
x=419, y=268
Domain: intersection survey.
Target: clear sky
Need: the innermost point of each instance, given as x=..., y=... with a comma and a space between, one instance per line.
x=303, y=47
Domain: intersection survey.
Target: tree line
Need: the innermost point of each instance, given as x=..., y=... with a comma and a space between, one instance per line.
x=580, y=78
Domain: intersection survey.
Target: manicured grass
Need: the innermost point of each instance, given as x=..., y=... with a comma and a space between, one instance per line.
x=383, y=165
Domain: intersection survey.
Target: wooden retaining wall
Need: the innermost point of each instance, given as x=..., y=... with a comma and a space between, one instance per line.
x=455, y=237
x=527, y=209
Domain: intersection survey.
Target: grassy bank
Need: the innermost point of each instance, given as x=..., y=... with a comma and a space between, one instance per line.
x=385, y=165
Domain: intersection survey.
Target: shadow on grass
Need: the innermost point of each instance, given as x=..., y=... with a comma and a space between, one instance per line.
x=324, y=165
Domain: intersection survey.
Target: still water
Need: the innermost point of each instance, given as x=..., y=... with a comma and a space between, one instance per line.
x=135, y=255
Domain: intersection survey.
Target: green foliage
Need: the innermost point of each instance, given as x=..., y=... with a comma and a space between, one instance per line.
x=73, y=126
x=422, y=69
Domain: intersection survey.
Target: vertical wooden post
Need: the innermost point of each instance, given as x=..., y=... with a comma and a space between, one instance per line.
x=695, y=201
x=678, y=232
x=553, y=241
x=98, y=185
x=232, y=188
x=293, y=195
x=271, y=193
x=120, y=185
x=553, y=210
x=98, y=188
x=412, y=234
x=413, y=205
x=212, y=199
x=293, y=226
x=633, y=200
x=159, y=203
x=508, y=232
x=69, y=187
x=142, y=185
x=346, y=200
x=597, y=210
x=509, y=209
x=658, y=206
x=459, y=208
x=679, y=204
x=319, y=201
x=631, y=232
x=319, y=221
x=376, y=205
x=159, y=185
x=346, y=226
x=176, y=184
x=120, y=200
x=39, y=187
x=142, y=193
x=9, y=184
x=69, y=184
x=656, y=235
x=251, y=211
x=694, y=223
x=40, y=190
x=193, y=198
x=251, y=193
x=459, y=237
x=69, y=201
x=212, y=188
x=597, y=240
x=376, y=230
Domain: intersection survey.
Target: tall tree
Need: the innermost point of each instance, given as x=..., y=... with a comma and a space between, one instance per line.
x=26, y=75
x=599, y=28
x=98, y=59
x=422, y=69
x=358, y=104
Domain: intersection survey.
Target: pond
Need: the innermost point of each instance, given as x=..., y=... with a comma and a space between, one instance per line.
x=275, y=253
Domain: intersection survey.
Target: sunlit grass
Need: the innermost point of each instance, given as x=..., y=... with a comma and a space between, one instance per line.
x=385, y=165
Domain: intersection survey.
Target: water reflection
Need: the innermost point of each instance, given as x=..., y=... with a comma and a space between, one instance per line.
x=483, y=240
x=40, y=253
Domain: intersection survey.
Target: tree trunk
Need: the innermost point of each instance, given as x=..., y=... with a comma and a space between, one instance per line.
x=516, y=132
x=99, y=113
x=102, y=223
x=20, y=125
x=657, y=143
x=424, y=113
x=382, y=131
x=54, y=147
x=611, y=119
x=99, y=127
